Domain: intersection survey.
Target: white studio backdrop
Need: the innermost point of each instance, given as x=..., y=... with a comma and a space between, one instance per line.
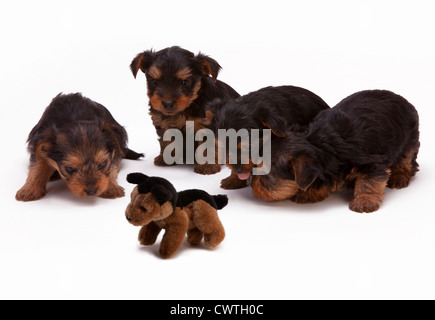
x=62, y=247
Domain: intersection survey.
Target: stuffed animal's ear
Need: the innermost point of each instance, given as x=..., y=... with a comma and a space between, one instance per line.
x=142, y=62
x=162, y=194
x=210, y=67
x=136, y=178
x=305, y=172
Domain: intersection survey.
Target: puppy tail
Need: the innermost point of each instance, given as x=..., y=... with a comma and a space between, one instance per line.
x=221, y=201
x=131, y=155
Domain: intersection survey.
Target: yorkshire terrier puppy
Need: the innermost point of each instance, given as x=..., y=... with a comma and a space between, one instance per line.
x=280, y=109
x=180, y=84
x=368, y=142
x=79, y=141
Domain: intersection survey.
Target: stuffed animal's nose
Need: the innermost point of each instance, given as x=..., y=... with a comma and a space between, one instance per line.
x=129, y=219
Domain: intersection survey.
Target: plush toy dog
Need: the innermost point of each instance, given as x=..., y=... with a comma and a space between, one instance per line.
x=156, y=205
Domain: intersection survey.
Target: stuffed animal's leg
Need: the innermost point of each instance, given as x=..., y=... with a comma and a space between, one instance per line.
x=175, y=232
x=206, y=220
x=195, y=236
x=148, y=234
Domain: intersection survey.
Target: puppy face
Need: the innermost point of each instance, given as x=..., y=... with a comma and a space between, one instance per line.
x=144, y=209
x=174, y=77
x=87, y=159
x=87, y=176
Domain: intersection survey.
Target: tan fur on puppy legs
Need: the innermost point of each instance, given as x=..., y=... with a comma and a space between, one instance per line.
x=233, y=182
x=312, y=195
x=207, y=169
x=206, y=219
x=402, y=173
x=173, y=238
x=114, y=190
x=37, y=179
x=368, y=193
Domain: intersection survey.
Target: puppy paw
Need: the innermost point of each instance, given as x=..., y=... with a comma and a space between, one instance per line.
x=114, y=192
x=365, y=204
x=303, y=197
x=207, y=169
x=399, y=181
x=159, y=161
x=30, y=194
x=233, y=183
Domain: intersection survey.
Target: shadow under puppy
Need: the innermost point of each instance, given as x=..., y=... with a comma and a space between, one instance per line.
x=79, y=141
x=281, y=109
x=180, y=84
x=156, y=205
x=369, y=141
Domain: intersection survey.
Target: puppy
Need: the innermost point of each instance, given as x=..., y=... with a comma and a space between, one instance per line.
x=280, y=109
x=78, y=140
x=180, y=84
x=369, y=141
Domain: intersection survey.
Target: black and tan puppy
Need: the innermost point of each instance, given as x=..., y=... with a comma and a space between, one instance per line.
x=180, y=84
x=370, y=140
x=78, y=140
x=280, y=109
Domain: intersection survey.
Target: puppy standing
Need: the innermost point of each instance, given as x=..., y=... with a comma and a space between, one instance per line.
x=180, y=84
x=79, y=140
x=370, y=140
x=281, y=109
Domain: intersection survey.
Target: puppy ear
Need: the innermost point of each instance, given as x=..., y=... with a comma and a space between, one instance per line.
x=115, y=137
x=136, y=178
x=214, y=105
x=276, y=126
x=43, y=148
x=210, y=67
x=141, y=62
x=305, y=172
x=161, y=194
x=276, y=123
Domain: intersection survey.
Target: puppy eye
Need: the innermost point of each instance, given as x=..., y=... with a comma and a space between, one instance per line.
x=185, y=83
x=71, y=170
x=102, y=165
x=155, y=82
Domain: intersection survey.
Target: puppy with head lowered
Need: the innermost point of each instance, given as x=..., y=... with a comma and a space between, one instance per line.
x=369, y=141
x=280, y=109
x=180, y=84
x=78, y=140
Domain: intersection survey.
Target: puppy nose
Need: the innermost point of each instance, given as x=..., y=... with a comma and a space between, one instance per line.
x=168, y=104
x=91, y=192
x=238, y=170
x=129, y=219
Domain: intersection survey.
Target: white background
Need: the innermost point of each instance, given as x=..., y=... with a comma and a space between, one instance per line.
x=66, y=248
